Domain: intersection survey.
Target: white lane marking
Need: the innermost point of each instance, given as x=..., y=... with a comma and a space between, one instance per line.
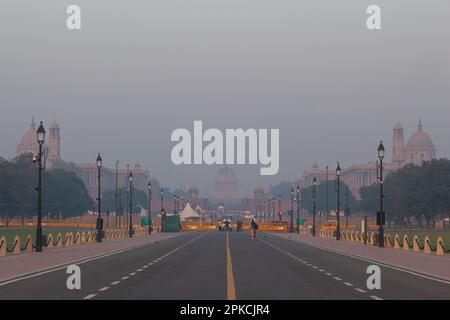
x=321, y=270
x=348, y=284
x=114, y=283
x=144, y=267
x=425, y=275
x=376, y=298
x=132, y=274
x=337, y=278
x=360, y=290
x=77, y=262
x=314, y=267
x=125, y=278
x=329, y=274
x=155, y=261
x=139, y=270
x=90, y=296
x=150, y=264
x=103, y=289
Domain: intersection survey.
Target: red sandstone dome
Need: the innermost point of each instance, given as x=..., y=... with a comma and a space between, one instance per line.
x=226, y=184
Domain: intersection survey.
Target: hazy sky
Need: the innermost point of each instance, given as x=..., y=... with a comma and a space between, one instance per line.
x=140, y=69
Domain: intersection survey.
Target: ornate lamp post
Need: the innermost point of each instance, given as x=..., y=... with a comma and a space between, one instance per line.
x=40, y=133
x=273, y=209
x=338, y=227
x=130, y=190
x=149, y=186
x=291, y=226
x=380, y=214
x=298, y=209
x=279, y=207
x=99, y=201
x=314, y=207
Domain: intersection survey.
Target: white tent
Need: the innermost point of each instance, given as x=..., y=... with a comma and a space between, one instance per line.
x=188, y=213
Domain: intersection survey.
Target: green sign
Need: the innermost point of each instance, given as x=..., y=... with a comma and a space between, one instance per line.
x=301, y=222
x=144, y=222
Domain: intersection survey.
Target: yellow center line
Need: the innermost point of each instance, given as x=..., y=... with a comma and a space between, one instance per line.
x=231, y=292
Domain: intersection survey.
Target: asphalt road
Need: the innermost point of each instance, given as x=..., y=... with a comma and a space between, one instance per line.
x=208, y=266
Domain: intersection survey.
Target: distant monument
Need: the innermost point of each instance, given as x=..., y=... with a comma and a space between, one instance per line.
x=420, y=148
x=226, y=184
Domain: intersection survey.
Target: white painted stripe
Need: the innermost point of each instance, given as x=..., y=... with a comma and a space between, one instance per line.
x=139, y=270
x=115, y=282
x=132, y=274
x=321, y=270
x=376, y=298
x=125, y=278
x=348, y=284
x=103, y=289
x=337, y=278
x=415, y=273
x=90, y=296
x=360, y=290
x=328, y=274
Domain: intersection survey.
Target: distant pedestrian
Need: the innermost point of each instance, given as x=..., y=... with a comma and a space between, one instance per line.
x=253, y=228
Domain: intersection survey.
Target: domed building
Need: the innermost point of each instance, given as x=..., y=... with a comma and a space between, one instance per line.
x=226, y=184
x=420, y=147
x=28, y=143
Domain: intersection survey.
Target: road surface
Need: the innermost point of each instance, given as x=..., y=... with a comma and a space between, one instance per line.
x=220, y=265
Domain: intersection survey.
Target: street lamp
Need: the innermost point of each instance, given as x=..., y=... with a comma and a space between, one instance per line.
x=298, y=209
x=99, y=217
x=338, y=227
x=381, y=214
x=162, y=198
x=174, y=204
x=314, y=207
x=149, y=186
x=291, y=226
x=116, y=194
x=130, y=190
x=273, y=209
x=279, y=207
x=40, y=135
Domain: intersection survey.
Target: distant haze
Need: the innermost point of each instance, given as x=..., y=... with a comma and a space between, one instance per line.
x=140, y=69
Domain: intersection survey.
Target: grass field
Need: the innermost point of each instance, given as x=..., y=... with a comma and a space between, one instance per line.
x=10, y=233
x=421, y=233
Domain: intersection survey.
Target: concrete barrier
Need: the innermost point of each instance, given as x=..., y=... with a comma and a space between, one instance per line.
x=29, y=244
x=2, y=247
x=405, y=243
x=439, y=246
x=416, y=247
x=397, y=242
x=426, y=245
x=49, y=241
x=16, y=245
x=59, y=240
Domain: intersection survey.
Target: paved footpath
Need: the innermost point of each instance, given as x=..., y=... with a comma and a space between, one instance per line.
x=20, y=265
x=425, y=264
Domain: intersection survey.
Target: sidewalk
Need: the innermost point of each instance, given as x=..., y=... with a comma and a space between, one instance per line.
x=23, y=264
x=414, y=261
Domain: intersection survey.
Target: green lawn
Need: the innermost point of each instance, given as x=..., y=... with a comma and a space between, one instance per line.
x=421, y=233
x=10, y=233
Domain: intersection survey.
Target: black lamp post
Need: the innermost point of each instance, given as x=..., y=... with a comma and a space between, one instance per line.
x=99, y=201
x=314, y=207
x=273, y=209
x=380, y=214
x=162, y=199
x=149, y=185
x=338, y=227
x=130, y=190
x=298, y=209
x=116, y=194
x=175, y=204
x=291, y=226
x=279, y=207
x=40, y=133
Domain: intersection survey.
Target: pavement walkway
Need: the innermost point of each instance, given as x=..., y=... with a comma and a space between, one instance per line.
x=426, y=264
x=20, y=265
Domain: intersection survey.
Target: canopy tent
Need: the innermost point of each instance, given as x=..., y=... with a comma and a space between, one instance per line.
x=188, y=213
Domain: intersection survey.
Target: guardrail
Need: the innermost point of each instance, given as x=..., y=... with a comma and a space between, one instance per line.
x=396, y=243
x=70, y=239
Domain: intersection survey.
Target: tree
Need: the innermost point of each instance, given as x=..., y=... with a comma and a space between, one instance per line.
x=63, y=192
x=420, y=192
